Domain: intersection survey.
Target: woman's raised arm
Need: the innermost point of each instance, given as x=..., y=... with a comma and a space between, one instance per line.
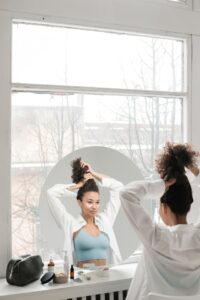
x=58, y=210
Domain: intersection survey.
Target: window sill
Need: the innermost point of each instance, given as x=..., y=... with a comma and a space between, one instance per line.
x=118, y=279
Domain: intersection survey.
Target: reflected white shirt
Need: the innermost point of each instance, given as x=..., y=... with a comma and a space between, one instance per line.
x=104, y=220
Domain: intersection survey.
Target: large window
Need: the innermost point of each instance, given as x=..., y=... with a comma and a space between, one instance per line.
x=74, y=88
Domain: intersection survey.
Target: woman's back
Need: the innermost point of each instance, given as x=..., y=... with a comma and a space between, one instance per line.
x=171, y=265
x=173, y=262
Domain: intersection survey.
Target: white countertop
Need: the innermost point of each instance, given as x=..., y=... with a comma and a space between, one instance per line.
x=118, y=279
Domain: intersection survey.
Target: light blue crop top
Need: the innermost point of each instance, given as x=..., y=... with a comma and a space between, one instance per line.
x=89, y=247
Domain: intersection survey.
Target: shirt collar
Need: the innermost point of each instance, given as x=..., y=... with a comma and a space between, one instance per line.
x=82, y=221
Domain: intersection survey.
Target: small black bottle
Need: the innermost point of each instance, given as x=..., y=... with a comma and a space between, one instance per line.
x=72, y=272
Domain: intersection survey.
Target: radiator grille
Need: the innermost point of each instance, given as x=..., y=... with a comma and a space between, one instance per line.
x=120, y=295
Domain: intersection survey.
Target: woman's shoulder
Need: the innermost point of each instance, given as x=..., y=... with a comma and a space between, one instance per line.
x=182, y=233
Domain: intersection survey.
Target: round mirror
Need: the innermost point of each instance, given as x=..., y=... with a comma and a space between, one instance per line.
x=103, y=160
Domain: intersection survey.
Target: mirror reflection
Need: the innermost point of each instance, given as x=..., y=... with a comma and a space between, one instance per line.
x=79, y=192
x=89, y=237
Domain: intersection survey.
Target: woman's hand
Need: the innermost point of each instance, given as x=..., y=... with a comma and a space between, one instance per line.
x=87, y=176
x=194, y=169
x=90, y=173
x=169, y=182
x=75, y=186
x=87, y=167
x=78, y=185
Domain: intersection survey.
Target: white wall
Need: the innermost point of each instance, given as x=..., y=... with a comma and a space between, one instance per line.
x=125, y=15
x=132, y=14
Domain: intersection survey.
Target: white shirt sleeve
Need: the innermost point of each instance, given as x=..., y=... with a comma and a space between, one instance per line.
x=113, y=205
x=131, y=197
x=58, y=210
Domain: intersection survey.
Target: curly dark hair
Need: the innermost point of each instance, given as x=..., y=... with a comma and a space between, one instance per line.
x=179, y=196
x=78, y=175
x=171, y=162
x=77, y=171
x=89, y=186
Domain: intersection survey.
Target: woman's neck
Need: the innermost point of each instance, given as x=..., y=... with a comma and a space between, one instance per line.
x=89, y=220
x=177, y=220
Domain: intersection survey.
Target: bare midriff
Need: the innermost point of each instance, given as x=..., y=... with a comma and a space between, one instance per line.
x=96, y=262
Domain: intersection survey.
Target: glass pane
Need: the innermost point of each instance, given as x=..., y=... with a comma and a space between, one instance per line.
x=47, y=127
x=64, y=56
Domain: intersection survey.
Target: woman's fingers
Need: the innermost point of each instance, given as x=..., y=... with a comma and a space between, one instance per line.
x=88, y=176
x=194, y=169
x=84, y=164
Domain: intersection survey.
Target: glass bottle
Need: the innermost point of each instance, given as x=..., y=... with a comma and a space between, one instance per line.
x=66, y=264
x=72, y=272
x=51, y=265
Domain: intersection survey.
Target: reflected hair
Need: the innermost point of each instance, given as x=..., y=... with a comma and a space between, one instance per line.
x=77, y=171
x=78, y=176
x=89, y=186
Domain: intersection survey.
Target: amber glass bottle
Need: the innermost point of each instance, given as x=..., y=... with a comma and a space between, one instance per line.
x=72, y=272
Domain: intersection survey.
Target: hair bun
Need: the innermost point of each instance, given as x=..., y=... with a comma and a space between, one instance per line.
x=77, y=171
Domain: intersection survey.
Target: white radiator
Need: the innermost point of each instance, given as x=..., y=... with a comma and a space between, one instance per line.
x=120, y=295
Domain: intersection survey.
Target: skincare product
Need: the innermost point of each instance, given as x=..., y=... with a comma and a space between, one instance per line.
x=72, y=272
x=66, y=265
x=51, y=265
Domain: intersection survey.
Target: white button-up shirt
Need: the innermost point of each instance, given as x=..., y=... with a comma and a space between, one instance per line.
x=104, y=220
x=170, y=262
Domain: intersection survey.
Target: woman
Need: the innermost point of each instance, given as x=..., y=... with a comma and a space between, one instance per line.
x=170, y=262
x=89, y=239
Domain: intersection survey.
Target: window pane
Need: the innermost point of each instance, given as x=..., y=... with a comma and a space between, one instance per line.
x=47, y=127
x=63, y=56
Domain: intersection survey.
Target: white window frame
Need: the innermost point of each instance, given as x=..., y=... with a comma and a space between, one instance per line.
x=5, y=113
x=61, y=89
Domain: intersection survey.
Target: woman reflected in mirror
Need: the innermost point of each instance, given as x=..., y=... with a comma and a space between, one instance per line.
x=89, y=239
